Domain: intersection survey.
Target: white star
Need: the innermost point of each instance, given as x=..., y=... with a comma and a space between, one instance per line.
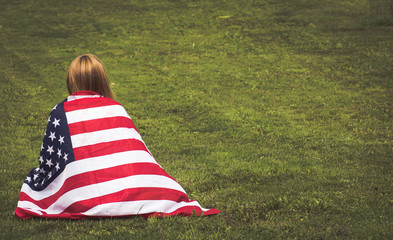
x=59, y=153
x=42, y=146
x=42, y=170
x=50, y=150
x=49, y=162
x=52, y=135
x=61, y=139
x=37, y=169
x=57, y=167
x=41, y=160
x=35, y=176
x=36, y=185
x=28, y=179
x=56, y=122
x=43, y=180
x=49, y=175
x=49, y=119
x=65, y=157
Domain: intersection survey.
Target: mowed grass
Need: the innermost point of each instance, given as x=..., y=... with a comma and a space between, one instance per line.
x=278, y=113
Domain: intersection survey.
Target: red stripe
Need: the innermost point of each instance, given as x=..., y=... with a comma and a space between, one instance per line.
x=100, y=124
x=94, y=177
x=183, y=211
x=84, y=103
x=188, y=211
x=106, y=148
x=25, y=214
x=132, y=194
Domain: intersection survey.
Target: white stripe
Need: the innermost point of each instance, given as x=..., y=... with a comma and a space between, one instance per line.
x=96, y=113
x=138, y=207
x=75, y=97
x=87, y=165
x=108, y=187
x=30, y=206
x=107, y=135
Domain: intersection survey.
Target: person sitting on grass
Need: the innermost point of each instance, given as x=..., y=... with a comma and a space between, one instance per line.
x=93, y=161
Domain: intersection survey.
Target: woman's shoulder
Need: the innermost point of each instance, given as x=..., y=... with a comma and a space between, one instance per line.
x=87, y=99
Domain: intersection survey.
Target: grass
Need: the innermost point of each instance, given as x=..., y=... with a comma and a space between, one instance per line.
x=278, y=113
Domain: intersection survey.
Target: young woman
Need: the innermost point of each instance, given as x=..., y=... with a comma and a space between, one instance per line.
x=94, y=163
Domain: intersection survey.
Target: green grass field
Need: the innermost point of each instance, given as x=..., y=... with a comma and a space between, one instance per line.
x=278, y=113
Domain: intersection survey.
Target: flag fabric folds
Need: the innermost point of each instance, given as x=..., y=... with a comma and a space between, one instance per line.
x=94, y=163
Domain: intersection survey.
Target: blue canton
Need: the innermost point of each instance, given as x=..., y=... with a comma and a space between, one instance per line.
x=56, y=151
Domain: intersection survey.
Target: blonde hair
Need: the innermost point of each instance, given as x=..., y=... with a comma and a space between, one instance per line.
x=87, y=72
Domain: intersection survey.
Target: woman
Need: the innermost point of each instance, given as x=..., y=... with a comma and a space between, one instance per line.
x=94, y=163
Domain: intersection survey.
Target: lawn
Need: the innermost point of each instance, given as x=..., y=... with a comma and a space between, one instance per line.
x=278, y=113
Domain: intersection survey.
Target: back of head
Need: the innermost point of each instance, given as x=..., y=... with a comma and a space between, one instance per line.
x=87, y=72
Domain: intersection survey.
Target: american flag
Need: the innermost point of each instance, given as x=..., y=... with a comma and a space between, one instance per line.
x=94, y=163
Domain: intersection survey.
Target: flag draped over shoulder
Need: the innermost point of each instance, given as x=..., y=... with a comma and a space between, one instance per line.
x=94, y=163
